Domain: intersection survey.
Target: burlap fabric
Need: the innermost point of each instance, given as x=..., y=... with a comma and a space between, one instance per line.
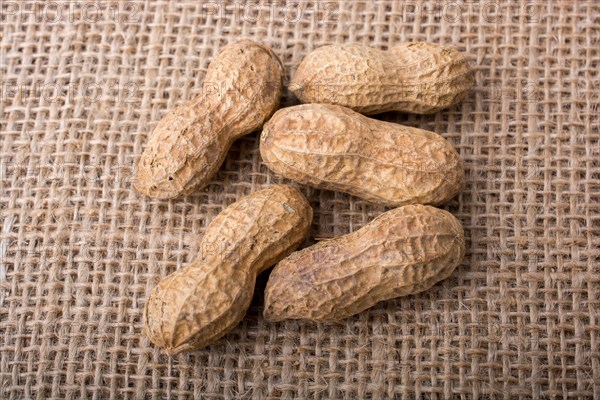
x=84, y=82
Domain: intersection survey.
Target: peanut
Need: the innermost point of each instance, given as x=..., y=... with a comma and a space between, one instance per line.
x=198, y=304
x=419, y=78
x=242, y=89
x=333, y=147
x=401, y=252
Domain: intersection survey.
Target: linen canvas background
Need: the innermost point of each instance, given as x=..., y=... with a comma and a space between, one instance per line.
x=85, y=82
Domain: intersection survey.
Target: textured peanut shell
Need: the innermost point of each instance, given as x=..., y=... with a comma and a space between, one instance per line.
x=418, y=78
x=403, y=251
x=198, y=304
x=241, y=91
x=335, y=148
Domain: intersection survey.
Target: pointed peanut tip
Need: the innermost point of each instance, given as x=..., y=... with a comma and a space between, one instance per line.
x=268, y=313
x=174, y=351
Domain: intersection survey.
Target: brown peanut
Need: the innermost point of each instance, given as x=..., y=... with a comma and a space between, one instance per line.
x=333, y=147
x=411, y=77
x=401, y=252
x=241, y=90
x=198, y=304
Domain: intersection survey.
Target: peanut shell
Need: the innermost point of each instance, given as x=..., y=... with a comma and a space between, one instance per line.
x=403, y=251
x=417, y=77
x=335, y=148
x=196, y=305
x=241, y=91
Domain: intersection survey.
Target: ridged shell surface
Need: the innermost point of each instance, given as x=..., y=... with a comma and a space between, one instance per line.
x=241, y=91
x=417, y=77
x=199, y=303
x=403, y=251
x=335, y=148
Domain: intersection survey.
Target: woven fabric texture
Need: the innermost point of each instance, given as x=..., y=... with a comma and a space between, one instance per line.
x=85, y=82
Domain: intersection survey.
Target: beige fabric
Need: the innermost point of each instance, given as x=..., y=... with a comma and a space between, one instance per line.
x=80, y=249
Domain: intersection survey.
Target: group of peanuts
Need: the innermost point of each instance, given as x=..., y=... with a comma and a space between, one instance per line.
x=326, y=143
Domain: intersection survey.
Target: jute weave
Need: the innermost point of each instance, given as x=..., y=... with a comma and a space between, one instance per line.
x=84, y=82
